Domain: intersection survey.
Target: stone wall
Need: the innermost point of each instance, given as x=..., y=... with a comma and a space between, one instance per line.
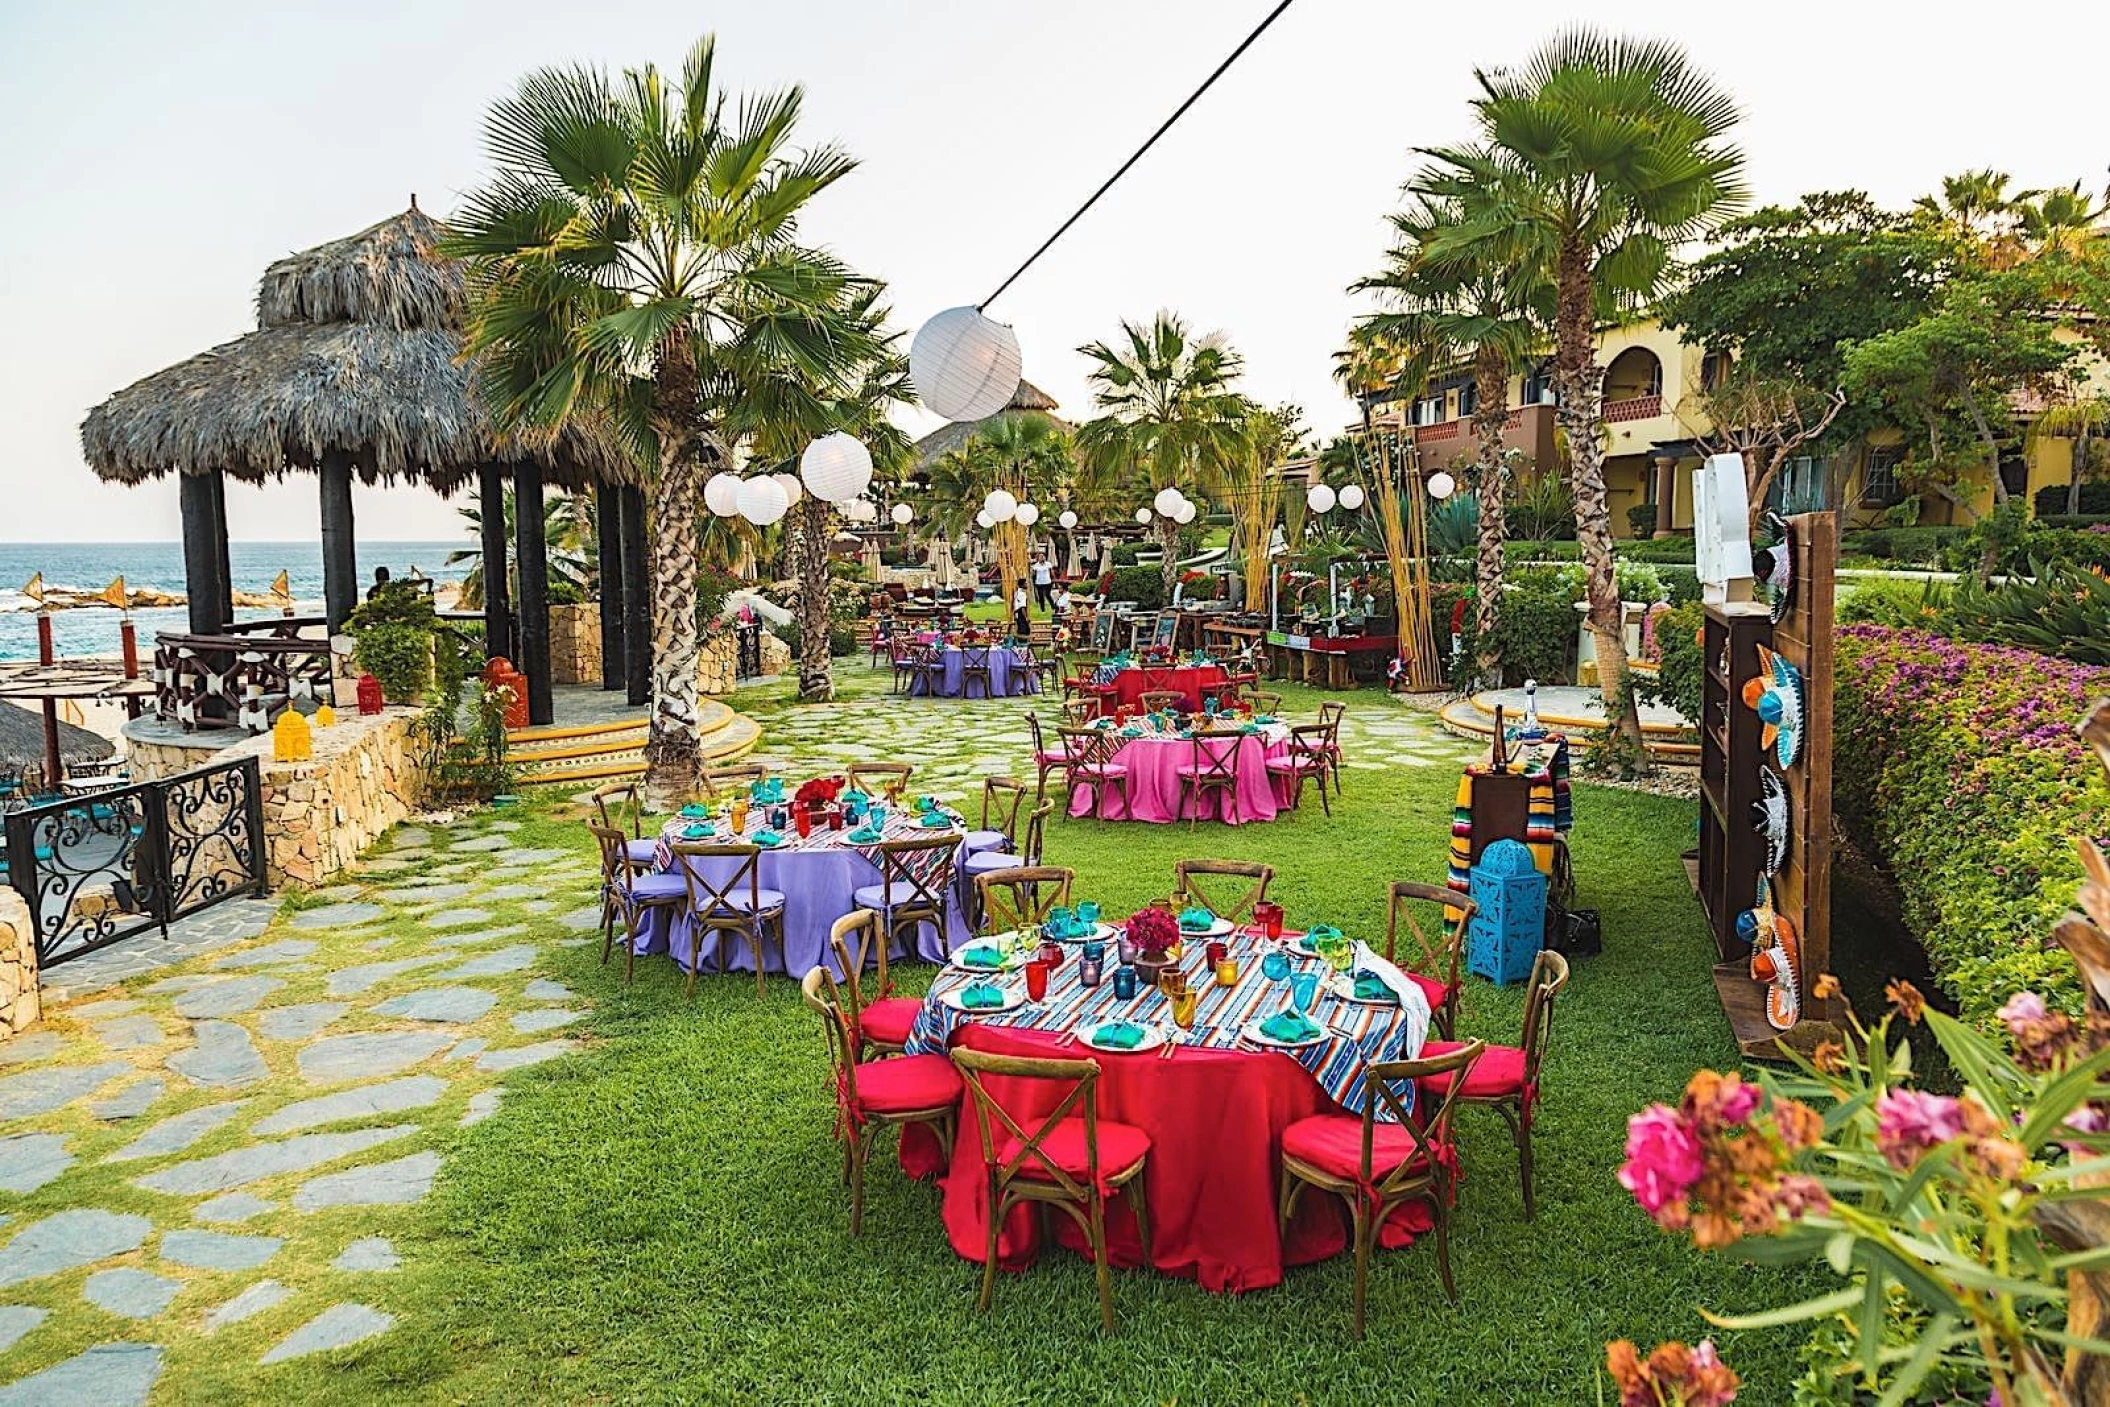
x=20, y=1005
x=575, y=644
x=718, y=664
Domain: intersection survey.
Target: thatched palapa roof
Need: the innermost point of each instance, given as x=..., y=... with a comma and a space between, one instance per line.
x=947, y=438
x=22, y=741
x=357, y=351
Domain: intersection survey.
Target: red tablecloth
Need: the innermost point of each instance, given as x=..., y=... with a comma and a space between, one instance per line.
x=1190, y=680
x=1215, y=1120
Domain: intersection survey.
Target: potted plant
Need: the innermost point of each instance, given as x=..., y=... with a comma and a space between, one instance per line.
x=1155, y=933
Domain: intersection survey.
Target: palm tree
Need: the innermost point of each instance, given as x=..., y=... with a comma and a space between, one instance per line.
x=2082, y=419
x=1170, y=418
x=1487, y=302
x=1976, y=209
x=635, y=256
x=1609, y=152
x=568, y=528
x=2064, y=222
x=1031, y=456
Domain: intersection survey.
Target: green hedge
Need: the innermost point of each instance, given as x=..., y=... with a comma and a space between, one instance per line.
x=1143, y=585
x=1958, y=768
x=2051, y=499
x=1918, y=547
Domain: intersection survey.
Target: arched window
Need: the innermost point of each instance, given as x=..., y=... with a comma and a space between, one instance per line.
x=1634, y=373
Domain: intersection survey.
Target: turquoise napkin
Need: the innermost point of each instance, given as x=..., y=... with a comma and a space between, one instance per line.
x=1263, y=718
x=1195, y=920
x=1119, y=1035
x=767, y=838
x=935, y=819
x=692, y=811
x=867, y=836
x=1369, y=987
x=1131, y=732
x=697, y=832
x=982, y=996
x=981, y=955
x=1290, y=1026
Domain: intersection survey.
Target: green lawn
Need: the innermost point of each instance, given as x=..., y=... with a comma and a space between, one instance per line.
x=659, y=1218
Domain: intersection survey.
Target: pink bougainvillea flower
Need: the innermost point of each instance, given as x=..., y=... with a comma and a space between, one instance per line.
x=1910, y=1121
x=2021, y=1009
x=1663, y=1159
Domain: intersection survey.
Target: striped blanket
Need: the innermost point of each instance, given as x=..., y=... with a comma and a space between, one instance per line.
x=1551, y=810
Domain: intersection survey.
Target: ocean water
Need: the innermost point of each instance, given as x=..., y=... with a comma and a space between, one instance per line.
x=89, y=566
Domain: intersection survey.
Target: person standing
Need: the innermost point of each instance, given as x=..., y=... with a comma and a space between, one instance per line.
x=1019, y=623
x=1044, y=580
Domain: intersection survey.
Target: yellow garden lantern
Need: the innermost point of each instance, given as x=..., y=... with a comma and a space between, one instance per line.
x=290, y=738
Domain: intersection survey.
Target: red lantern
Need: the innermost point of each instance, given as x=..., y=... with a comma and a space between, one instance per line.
x=369, y=694
x=500, y=674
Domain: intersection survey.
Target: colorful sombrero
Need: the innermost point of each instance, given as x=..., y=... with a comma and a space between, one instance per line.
x=1777, y=694
x=1769, y=817
x=1776, y=566
x=1776, y=959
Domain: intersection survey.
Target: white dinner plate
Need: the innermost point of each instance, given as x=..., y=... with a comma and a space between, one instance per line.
x=1013, y=999
x=1258, y=1037
x=1152, y=1037
x=1101, y=933
x=1220, y=927
x=1012, y=961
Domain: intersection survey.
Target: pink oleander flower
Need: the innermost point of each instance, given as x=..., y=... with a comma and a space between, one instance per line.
x=1663, y=1159
x=2021, y=1009
x=2089, y=1118
x=1910, y=1121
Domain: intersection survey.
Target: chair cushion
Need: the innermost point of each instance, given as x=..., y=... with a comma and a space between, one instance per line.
x=1333, y=1143
x=1095, y=770
x=886, y=896
x=1055, y=758
x=1121, y=1147
x=657, y=888
x=1435, y=991
x=907, y=1083
x=1198, y=772
x=643, y=852
x=761, y=902
x=1498, y=1072
x=888, y=1020
x=985, y=840
x=990, y=861
x=1289, y=765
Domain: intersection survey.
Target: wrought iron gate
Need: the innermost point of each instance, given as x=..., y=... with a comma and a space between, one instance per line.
x=748, y=636
x=98, y=868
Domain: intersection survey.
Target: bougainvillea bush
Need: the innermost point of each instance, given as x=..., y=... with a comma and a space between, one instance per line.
x=1957, y=766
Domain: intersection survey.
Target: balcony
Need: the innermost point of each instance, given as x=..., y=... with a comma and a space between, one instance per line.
x=1633, y=408
x=1527, y=428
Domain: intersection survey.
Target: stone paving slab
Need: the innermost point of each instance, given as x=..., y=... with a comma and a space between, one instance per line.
x=241, y=1166
x=456, y=918
x=541, y=989
x=369, y=1253
x=108, y=1375
x=135, y=1294
x=218, y=1250
x=336, y=1327
x=433, y=893
x=334, y=1059
x=337, y=916
x=495, y=964
x=547, y=1018
x=17, y=1320
x=374, y=1185
x=223, y=1058
x=520, y=1056
x=230, y=996
x=297, y=1023
x=68, y=1240
x=131, y=1101
x=29, y=1161
x=178, y=1131
x=233, y=1207
x=482, y=1105
x=286, y=950
x=129, y=1032
x=389, y=1097
x=263, y=1295
x=33, y=1046
x=351, y=981
x=41, y=1091
x=449, y=1005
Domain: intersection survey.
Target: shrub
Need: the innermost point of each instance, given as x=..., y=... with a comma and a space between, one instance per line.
x=1541, y=550
x=1542, y=507
x=1681, y=672
x=1200, y=586
x=1890, y=600
x=1538, y=625
x=2051, y=499
x=1142, y=585
x=2073, y=520
x=1125, y=555
x=1658, y=549
x=1955, y=764
x=399, y=655
x=1917, y=546
x=2057, y=608
x=1680, y=584
x=1641, y=521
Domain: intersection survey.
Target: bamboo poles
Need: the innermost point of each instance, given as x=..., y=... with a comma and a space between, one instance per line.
x=1258, y=503
x=1395, y=482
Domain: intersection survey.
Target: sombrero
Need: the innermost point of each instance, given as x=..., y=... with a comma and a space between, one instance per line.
x=1776, y=566
x=1776, y=960
x=1776, y=692
x=1769, y=817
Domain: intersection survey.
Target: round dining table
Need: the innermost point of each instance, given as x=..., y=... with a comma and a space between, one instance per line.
x=1215, y=1112
x=818, y=877
x=1011, y=674
x=1154, y=758
x=1192, y=682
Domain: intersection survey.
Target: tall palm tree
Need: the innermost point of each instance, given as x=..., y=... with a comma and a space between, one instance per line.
x=1032, y=457
x=568, y=529
x=1169, y=416
x=2064, y=222
x=1977, y=209
x=636, y=256
x=1488, y=301
x=2083, y=419
x=1610, y=152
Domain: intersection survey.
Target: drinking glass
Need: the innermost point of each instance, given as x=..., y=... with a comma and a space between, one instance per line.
x=1275, y=966
x=1051, y=954
x=1088, y=913
x=1268, y=915
x=805, y=822
x=1036, y=980
x=739, y=814
x=1125, y=949
x=1183, y=1003
x=1303, y=990
x=1172, y=981
x=1124, y=983
x=1216, y=952
x=1227, y=972
x=1089, y=970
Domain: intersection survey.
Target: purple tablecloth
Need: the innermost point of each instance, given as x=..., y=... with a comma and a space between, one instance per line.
x=1007, y=673
x=1154, y=781
x=817, y=877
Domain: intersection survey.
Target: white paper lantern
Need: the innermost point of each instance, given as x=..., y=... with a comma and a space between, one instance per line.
x=1168, y=502
x=1184, y=514
x=761, y=500
x=965, y=366
x=1027, y=515
x=1441, y=485
x=793, y=489
x=983, y=521
x=1352, y=497
x=903, y=514
x=1143, y=516
x=861, y=510
x=1319, y=498
x=1001, y=505
x=721, y=494
x=836, y=468
x=1067, y=519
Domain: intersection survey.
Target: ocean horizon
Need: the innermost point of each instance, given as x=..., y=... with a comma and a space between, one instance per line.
x=90, y=566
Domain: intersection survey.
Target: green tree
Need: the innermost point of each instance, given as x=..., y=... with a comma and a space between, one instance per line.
x=568, y=528
x=1169, y=418
x=636, y=256
x=1609, y=151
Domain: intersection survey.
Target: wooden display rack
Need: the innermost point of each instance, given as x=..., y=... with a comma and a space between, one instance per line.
x=1731, y=850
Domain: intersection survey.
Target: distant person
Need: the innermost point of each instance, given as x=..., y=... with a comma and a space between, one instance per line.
x=1043, y=580
x=1061, y=600
x=380, y=583
x=1019, y=623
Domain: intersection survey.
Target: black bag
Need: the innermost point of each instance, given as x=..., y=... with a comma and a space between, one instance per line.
x=1577, y=934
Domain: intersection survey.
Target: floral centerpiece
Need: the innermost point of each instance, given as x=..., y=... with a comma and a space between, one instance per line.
x=1155, y=933
x=818, y=794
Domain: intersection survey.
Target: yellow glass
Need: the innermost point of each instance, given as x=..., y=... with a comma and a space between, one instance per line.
x=1172, y=982
x=739, y=814
x=1183, y=1004
x=1227, y=973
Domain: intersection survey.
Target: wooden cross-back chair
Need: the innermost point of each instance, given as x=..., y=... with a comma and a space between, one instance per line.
x=887, y=778
x=1050, y=761
x=1507, y=1077
x=881, y=637
x=737, y=905
x=906, y=657
x=622, y=809
x=1001, y=799
x=1265, y=702
x=1161, y=700
x=1331, y=713
x=1188, y=890
x=1213, y=765
x=1022, y=897
x=1078, y=712
x=975, y=668
x=1414, y=1159
x=629, y=889
x=915, y=875
x=1304, y=761
x=1089, y=756
x=1071, y=1164
x=910, y=1089
x=1432, y=962
x=881, y=1018
x=718, y=781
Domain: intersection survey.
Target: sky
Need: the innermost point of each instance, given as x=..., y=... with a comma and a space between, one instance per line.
x=159, y=156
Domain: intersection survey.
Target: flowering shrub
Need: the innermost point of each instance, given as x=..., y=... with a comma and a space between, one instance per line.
x=1892, y=1185
x=1200, y=586
x=1671, y=1376
x=1956, y=764
x=1153, y=930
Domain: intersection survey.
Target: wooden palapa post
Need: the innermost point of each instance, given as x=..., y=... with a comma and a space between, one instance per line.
x=637, y=600
x=340, y=561
x=498, y=609
x=201, y=558
x=531, y=553
x=54, y=766
x=608, y=538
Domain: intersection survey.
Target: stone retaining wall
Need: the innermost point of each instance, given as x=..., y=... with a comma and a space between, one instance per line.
x=575, y=644
x=20, y=1004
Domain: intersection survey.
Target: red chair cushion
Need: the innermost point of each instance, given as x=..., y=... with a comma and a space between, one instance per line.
x=1121, y=1146
x=906, y=1084
x=1435, y=991
x=1499, y=1071
x=888, y=1020
x=1333, y=1143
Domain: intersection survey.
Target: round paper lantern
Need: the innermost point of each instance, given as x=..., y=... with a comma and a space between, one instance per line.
x=983, y=521
x=1352, y=497
x=762, y=500
x=861, y=510
x=836, y=468
x=793, y=489
x=1067, y=519
x=1319, y=498
x=1184, y=514
x=1027, y=515
x=965, y=366
x=1001, y=505
x=1168, y=502
x=903, y=514
x=1143, y=516
x=1441, y=485
x=721, y=494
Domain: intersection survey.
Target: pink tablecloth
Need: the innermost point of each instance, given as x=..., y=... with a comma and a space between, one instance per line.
x=1154, y=780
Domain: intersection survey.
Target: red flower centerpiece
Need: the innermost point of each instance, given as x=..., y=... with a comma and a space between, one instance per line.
x=1155, y=933
x=817, y=794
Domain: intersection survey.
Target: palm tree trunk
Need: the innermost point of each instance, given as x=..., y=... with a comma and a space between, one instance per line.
x=673, y=750
x=1169, y=534
x=816, y=670
x=1581, y=395
x=1490, y=413
x=2080, y=463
